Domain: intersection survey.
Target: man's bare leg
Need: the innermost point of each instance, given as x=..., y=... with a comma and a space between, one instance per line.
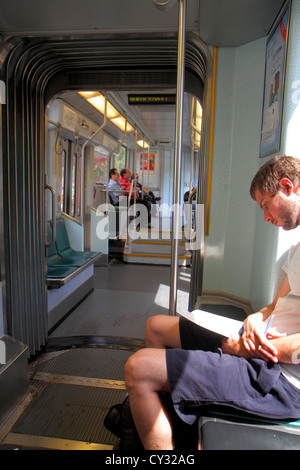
x=162, y=331
x=146, y=376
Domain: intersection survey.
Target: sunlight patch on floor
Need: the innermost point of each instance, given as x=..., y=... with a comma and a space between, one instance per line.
x=163, y=295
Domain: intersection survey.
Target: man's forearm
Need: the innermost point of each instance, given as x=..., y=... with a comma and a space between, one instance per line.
x=288, y=348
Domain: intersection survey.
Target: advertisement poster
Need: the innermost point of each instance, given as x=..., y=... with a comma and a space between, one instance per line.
x=274, y=83
x=147, y=161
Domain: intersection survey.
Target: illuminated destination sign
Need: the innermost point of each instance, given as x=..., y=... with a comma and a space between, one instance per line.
x=151, y=99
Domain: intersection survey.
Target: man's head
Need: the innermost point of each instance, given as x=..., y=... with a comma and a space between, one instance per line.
x=114, y=174
x=125, y=172
x=276, y=188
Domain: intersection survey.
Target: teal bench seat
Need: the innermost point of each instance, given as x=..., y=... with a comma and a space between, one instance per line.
x=64, y=263
x=54, y=258
x=63, y=244
x=222, y=431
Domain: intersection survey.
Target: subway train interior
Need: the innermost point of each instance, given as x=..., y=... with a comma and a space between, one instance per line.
x=174, y=91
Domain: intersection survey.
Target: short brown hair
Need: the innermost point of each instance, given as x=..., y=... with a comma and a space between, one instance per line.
x=268, y=177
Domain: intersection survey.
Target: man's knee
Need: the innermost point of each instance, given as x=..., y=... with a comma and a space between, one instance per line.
x=162, y=331
x=153, y=331
x=134, y=368
x=146, y=370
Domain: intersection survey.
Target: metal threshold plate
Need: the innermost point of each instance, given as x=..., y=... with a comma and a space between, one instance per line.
x=44, y=442
x=83, y=381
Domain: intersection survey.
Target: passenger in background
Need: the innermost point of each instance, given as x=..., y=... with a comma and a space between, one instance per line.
x=250, y=372
x=143, y=193
x=125, y=180
x=114, y=187
x=193, y=195
x=187, y=195
x=126, y=185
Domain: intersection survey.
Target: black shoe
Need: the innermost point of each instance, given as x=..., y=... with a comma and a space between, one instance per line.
x=119, y=421
x=112, y=420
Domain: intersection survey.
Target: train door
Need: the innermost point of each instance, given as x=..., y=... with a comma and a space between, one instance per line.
x=37, y=70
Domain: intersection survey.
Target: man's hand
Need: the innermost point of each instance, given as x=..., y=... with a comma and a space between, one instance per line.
x=235, y=346
x=255, y=340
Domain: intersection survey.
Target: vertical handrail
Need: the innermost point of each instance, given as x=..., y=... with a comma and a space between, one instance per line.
x=192, y=148
x=128, y=217
x=51, y=242
x=148, y=160
x=82, y=152
x=132, y=188
x=211, y=139
x=143, y=161
x=135, y=156
x=192, y=168
x=111, y=153
x=148, y=168
x=177, y=163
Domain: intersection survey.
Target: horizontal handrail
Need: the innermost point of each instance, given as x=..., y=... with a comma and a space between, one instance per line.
x=72, y=218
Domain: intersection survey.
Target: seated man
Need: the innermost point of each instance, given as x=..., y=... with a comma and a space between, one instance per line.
x=114, y=187
x=126, y=185
x=252, y=373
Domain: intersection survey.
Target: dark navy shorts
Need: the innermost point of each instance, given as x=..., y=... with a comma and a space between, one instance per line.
x=199, y=378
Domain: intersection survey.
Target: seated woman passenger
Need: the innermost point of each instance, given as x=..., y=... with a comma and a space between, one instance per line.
x=143, y=193
x=126, y=185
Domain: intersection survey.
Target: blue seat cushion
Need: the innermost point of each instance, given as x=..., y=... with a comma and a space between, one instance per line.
x=57, y=260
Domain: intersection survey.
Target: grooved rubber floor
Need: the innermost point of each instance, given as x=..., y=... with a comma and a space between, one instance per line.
x=71, y=393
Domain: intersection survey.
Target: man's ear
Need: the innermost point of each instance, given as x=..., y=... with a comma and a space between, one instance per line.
x=287, y=186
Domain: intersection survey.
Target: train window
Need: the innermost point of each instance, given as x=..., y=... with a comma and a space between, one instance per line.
x=70, y=173
x=120, y=159
x=100, y=165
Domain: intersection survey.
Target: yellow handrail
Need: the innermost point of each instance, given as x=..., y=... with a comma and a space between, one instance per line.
x=211, y=140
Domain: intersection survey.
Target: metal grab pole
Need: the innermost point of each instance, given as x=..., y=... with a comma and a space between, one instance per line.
x=177, y=161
